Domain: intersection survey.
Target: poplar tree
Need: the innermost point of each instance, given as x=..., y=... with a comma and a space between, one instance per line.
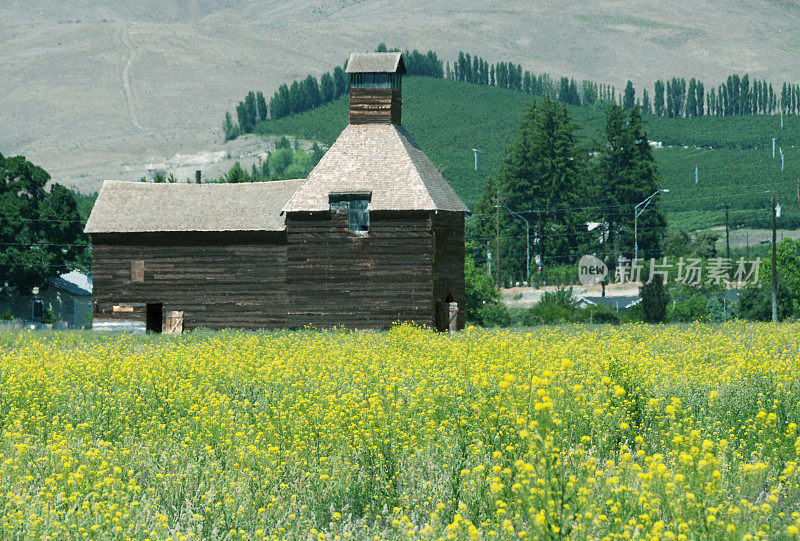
x=646, y=107
x=700, y=92
x=261, y=107
x=691, y=99
x=629, y=100
x=658, y=98
x=327, y=87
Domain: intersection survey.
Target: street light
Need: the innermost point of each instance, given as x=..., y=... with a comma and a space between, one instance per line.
x=476, y=151
x=527, y=241
x=636, y=214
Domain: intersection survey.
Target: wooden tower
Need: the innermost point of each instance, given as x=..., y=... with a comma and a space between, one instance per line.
x=375, y=88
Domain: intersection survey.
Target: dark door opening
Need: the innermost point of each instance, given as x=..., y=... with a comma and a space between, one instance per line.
x=155, y=317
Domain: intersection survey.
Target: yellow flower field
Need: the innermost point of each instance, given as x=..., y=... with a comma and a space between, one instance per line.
x=586, y=433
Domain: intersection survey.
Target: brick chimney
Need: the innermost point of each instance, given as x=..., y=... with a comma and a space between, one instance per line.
x=375, y=87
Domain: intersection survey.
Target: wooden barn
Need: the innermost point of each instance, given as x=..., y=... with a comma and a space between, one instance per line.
x=373, y=236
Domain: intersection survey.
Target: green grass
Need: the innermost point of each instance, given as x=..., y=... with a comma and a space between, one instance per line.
x=734, y=154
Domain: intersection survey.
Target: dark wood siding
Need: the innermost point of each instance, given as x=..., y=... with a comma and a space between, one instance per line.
x=375, y=105
x=219, y=279
x=448, y=264
x=338, y=278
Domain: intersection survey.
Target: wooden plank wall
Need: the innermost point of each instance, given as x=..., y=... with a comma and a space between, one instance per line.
x=375, y=106
x=219, y=280
x=337, y=278
x=448, y=265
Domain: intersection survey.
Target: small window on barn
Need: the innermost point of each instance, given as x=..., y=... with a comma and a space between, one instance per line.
x=137, y=271
x=356, y=205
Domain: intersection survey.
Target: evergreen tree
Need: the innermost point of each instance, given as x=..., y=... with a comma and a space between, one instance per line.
x=630, y=96
x=491, y=76
x=543, y=169
x=627, y=175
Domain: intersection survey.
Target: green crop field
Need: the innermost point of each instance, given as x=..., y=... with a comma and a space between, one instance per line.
x=733, y=154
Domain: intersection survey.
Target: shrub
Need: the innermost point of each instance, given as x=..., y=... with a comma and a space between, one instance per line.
x=554, y=307
x=755, y=302
x=494, y=314
x=7, y=315
x=49, y=316
x=547, y=313
x=654, y=300
x=598, y=314
x=687, y=309
x=479, y=290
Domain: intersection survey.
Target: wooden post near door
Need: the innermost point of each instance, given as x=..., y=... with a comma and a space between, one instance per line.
x=173, y=323
x=452, y=316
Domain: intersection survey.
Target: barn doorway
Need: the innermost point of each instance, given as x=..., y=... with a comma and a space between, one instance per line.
x=155, y=317
x=447, y=314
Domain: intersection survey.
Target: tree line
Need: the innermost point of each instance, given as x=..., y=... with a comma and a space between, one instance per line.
x=310, y=93
x=738, y=95
x=672, y=98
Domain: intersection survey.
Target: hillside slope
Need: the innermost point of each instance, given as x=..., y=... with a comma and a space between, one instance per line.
x=100, y=89
x=733, y=155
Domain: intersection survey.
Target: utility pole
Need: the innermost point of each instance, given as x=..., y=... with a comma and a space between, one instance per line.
x=774, y=265
x=497, y=258
x=727, y=231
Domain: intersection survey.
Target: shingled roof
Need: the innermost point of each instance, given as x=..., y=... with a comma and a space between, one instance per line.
x=381, y=159
x=375, y=63
x=139, y=207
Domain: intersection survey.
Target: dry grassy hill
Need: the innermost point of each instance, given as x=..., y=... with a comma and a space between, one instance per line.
x=98, y=92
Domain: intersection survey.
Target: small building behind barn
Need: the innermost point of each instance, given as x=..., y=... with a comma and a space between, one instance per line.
x=66, y=297
x=373, y=236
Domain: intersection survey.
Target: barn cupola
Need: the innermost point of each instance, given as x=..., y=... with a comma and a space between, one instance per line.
x=375, y=87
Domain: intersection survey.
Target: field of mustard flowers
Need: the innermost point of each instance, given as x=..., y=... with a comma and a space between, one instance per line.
x=586, y=433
